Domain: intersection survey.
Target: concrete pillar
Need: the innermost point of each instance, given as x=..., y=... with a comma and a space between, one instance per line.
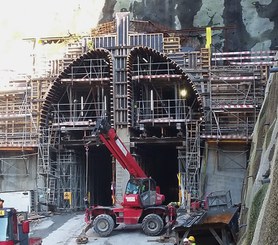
x=122, y=175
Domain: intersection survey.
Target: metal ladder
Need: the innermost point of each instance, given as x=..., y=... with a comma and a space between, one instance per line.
x=51, y=190
x=189, y=163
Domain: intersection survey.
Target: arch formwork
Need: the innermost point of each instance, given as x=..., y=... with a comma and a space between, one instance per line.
x=73, y=102
x=166, y=117
x=85, y=91
x=155, y=77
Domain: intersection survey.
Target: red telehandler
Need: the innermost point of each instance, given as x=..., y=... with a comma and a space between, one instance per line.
x=142, y=201
x=14, y=232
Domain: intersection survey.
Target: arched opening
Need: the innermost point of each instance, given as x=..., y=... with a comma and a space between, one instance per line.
x=164, y=103
x=162, y=99
x=70, y=161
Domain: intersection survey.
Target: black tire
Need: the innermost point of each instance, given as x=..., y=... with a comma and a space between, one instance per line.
x=103, y=225
x=152, y=225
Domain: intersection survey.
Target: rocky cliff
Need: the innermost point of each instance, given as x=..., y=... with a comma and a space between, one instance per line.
x=260, y=193
x=243, y=24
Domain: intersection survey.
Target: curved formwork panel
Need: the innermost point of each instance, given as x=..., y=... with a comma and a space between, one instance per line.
x=85, y=83
x=160, y=93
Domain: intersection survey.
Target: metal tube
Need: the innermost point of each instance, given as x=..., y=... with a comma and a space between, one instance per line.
x=82, y=106
x=152, y=105
x=273, y=69
x=87, y=168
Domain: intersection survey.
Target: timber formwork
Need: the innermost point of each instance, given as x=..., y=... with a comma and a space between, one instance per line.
x=19, y=118
x=142, y=82
x=232, y=87
x=20, y=103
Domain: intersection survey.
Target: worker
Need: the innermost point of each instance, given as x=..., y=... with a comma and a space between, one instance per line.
x=145, y=187
x=186, y=241
x=1, y=203
x=86, y=201
x=191, y=240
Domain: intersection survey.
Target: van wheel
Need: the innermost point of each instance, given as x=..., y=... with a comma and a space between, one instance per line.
x=103, y=225
x=152, y=225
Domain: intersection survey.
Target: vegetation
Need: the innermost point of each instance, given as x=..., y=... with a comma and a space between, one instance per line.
x=255, y=212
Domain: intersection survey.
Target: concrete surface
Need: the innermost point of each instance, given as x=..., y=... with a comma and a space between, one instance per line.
x=65, y=228
x=226, y=170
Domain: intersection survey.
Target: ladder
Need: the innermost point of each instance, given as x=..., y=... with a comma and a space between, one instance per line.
x=46, y=167
x=189, y=163
x=193, y=158
x=51, y=190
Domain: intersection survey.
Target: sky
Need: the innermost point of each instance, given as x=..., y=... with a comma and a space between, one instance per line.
x=39, y=18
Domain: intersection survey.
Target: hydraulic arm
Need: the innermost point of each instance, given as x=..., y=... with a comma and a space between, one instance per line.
x=109, y=137
x=142, y=201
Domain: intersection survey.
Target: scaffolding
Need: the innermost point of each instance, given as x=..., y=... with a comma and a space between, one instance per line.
x=17, y=123
x=237, y=81
x=135, y=79
x=47, y=168
x=189, y=158
x=232, y=88
x=171, y=111
x=60, y=164
x=19, y=104
x=67, y=124
x=71, y=181
x=60, y=172
x=153, y=77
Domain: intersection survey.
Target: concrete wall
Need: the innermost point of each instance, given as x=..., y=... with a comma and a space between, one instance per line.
x=225, y=169
x=17, y=171
x=122, y=175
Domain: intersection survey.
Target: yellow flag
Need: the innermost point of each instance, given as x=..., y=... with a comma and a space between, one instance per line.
x=208, y=37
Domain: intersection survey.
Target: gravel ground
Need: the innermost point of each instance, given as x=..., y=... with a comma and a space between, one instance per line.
x=65, y=228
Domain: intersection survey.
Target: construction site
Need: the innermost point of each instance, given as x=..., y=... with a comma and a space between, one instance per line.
x=185, y=111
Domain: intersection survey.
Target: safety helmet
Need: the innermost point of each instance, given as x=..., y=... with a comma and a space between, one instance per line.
x=191, y=239
x=185, y=240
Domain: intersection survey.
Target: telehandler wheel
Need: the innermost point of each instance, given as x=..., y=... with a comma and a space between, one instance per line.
x=152, y=225
x=103, y=225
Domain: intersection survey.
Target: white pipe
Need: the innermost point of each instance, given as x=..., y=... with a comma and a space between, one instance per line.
x=105, y=106
x=82, y=106
x=152, y=100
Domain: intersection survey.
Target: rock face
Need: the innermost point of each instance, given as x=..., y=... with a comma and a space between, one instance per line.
x=243, y=24
x=259, y=203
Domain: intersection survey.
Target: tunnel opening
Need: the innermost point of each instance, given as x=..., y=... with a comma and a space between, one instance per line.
x=159, y=161
x=97, y=173
x=100, y=176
